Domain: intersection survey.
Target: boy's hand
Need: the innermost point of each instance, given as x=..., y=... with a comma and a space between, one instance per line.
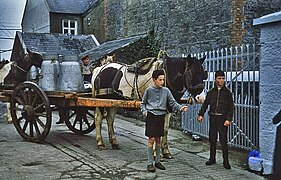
x=184, y=108
x=227, y=123
x=200, y=119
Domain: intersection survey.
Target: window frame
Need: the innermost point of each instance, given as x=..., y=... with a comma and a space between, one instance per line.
x=68, y=28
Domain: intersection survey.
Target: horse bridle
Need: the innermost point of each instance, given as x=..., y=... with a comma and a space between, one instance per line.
x=189, y=73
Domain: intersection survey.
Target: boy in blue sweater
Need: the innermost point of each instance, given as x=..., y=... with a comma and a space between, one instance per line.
x=154, y=107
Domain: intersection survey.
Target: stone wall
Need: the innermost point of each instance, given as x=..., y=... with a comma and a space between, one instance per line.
x=94, y=21
x=186, y=26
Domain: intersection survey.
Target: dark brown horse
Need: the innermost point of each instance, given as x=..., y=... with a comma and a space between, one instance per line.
x=20, y=67
x=15, y=72
x=182, y=74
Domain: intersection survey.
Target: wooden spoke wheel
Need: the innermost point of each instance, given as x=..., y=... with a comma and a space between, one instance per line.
x=31, y=112
x=80, y=120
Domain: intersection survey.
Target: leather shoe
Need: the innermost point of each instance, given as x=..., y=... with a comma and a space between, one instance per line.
x=210, y=162
x=60, y=121
x=160, y=166
x=226, y=165
x=150, y=168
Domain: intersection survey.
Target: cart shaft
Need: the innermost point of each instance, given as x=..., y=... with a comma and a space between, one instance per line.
x=96, y=102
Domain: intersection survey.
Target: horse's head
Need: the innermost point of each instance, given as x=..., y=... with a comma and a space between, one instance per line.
x=32, y=58
x=22, y=66
x=107, y=59
x=194, y=76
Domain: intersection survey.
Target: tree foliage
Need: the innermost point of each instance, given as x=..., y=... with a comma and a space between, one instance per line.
x=148, y=46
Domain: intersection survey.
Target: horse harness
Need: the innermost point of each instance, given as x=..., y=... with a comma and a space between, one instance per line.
x=19, y=72
x=138, y=68
x=135, y=85
x=111, y=89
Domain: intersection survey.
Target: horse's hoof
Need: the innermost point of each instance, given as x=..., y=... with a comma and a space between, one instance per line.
x=116, y=147
x=167, y=156
x=102, y=147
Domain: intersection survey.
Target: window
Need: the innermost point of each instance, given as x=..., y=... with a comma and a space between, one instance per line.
x=69, y=26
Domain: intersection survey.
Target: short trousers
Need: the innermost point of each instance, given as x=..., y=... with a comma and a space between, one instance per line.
x=154, y=125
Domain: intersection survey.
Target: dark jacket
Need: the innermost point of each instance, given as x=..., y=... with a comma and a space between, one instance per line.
x=220, y=102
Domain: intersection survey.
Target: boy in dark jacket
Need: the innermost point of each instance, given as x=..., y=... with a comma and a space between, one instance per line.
x=221, y=111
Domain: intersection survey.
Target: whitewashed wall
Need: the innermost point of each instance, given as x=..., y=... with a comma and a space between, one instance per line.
x=270, y=84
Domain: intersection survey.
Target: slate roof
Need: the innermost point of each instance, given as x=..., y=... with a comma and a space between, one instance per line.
x=70, y=6
x=63, y=44
x=109, y=47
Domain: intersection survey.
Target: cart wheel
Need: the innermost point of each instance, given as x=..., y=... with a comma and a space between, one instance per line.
x=80, y=120
x=31, y=112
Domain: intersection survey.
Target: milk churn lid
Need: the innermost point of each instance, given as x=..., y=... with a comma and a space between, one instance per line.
x=70, y=58
x=48, y=57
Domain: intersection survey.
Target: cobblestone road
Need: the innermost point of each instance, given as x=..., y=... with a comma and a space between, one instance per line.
x=65, y=155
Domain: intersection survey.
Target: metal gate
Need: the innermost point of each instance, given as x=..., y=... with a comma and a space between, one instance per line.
x=241, y=66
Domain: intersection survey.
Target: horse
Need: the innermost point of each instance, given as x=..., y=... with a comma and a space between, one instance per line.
x=15, y=72
x=19, y=68
x=182, y=74
x=129, y=82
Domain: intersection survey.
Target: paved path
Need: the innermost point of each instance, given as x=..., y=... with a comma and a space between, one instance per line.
x=65, y=155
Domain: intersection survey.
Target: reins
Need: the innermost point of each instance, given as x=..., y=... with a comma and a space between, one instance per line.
x=20, y=68
x=167, y=82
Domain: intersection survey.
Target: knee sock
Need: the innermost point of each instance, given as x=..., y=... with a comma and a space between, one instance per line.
x=150, y=155
x=157, y=148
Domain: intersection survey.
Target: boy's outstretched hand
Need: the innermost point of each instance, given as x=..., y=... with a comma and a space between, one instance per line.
x=200, y=119
x=184, y=108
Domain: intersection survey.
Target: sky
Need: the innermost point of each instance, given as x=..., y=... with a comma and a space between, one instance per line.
x=11, y=12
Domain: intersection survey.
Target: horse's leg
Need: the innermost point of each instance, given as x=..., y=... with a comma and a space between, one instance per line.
x=98, y=123
x=9, y=117
x=111, y=134
x=164, y=143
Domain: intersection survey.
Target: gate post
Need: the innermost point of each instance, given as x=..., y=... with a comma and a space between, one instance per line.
x=270, y=85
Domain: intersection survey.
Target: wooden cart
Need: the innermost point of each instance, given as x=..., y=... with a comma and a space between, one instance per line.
x=31, y=109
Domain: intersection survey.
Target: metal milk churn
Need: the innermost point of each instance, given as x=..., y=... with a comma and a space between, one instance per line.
x=32, y=74
x=49, y=73
x=70, y=77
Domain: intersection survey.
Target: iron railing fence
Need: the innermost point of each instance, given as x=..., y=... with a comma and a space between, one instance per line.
x=241, y=65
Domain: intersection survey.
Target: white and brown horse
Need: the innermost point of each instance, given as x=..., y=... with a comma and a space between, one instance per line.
x=129, y=82
x=15, y=72
x=118, y=81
